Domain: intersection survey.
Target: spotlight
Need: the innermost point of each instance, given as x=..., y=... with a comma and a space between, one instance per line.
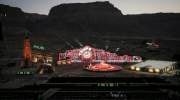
x=157, y=70
x=137, y=69
x=35, y=60
x=132, y=68
x=151, y=70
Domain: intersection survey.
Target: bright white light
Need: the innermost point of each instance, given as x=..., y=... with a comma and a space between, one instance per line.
x=151, y=70
x=137, y=69
x=117, y=49
x=35, y=60
x=86, y=52
x=157, y=70
x=168, y=69
x=48, y=64
x=132, y=68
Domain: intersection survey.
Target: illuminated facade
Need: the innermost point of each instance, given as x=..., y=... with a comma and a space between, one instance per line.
x=96, y=55
x=38, y=56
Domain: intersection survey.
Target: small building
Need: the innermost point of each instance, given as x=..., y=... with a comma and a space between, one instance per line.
x=44, y=56
x=154, y=66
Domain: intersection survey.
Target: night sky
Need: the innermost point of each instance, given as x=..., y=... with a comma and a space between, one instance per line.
x=126, y=6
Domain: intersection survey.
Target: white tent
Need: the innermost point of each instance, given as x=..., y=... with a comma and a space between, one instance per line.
x=154, y=66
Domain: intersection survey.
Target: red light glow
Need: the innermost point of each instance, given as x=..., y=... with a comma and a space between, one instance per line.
x=27, y=50
x=103, y=67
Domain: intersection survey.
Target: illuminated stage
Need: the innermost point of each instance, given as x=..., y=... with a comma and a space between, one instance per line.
x=103, y=67
x=93, y=55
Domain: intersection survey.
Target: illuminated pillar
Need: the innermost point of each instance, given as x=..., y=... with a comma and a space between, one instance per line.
x=27, y=54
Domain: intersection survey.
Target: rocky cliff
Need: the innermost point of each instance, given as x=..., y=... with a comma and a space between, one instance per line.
x=96, y=18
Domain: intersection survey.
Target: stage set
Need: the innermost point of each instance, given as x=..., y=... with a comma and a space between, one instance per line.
x=92, y=59
x=97, y=60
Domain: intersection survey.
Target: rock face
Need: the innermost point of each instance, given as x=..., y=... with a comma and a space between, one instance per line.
x=6, y=10
x=97, y=18
x=84, y=9
x=84, y=17
x=1, y=35
x=103, y=18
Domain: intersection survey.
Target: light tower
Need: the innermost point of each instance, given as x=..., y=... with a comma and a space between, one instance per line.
x=27, y=54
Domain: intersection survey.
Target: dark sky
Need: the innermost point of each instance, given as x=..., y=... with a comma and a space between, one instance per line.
x=126, y=6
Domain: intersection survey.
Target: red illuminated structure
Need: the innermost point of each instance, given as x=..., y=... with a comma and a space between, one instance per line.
x=93, y=55
x=97, y=60
x=27, y=54
x=103, y=67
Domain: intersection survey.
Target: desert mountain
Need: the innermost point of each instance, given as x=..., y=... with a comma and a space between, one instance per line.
x=96, y=18
x=67, y=24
